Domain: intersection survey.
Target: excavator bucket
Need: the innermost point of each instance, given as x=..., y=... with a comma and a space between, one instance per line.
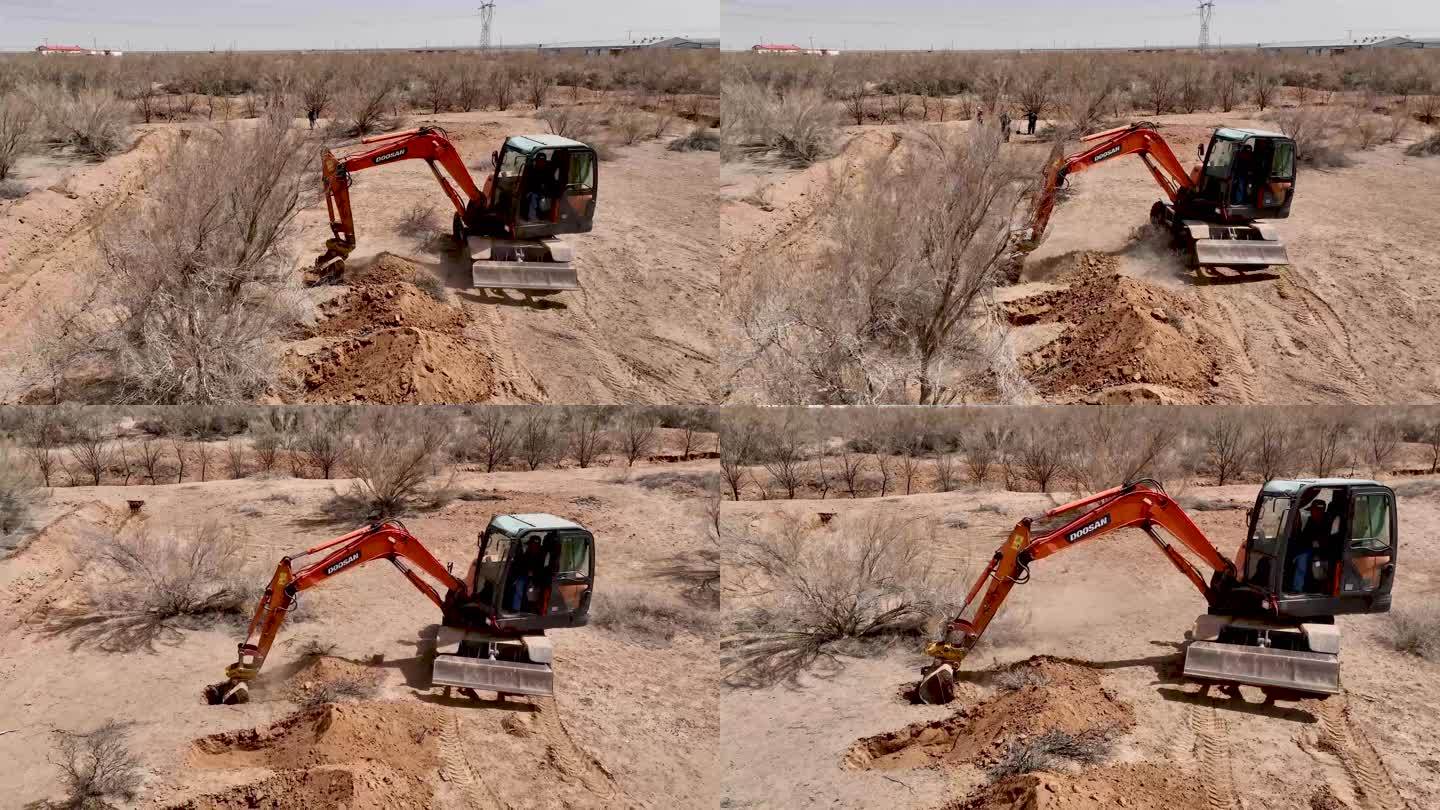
x=537, y=266
x=937, y=685
x=1296, y=670
x=489, y=675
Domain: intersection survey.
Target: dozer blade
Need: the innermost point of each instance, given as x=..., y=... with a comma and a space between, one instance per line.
x=1240, y=253
x=510, y=677
x=937, y=685
x=1263, y=666
x=524, y=276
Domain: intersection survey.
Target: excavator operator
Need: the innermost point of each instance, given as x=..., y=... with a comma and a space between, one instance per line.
x=529, y=566
x=1313, y=539
x=543, y=187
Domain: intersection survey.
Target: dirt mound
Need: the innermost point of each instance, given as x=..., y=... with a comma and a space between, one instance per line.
x=1120, y=332
x=1140, y=785
x=323, y=675
x=371, y=307
x=386, y=268
x=1056, y=696
x=399, y=365
x=351, y=755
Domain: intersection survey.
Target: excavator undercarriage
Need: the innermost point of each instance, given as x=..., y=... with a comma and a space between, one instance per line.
x=1315, y=549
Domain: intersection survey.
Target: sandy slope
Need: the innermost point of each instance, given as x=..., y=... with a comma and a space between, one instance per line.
x=619, y=733
x=1354, y=319
x=1116, y=607
x=638, y=331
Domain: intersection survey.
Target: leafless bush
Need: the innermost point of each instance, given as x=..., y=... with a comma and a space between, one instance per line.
x=1366, y=129
x=783, y=455
x=93, y=122
x=536, y=440
x=648, y=614
x=576, y=123
x=502, y=87
x=1045, y=750
x=1263, y=87
x=1041, y=456
x=632, y=125
x=639, y=430
x=898, y=302
x=1324, y=444
x=830, y=596
x=1428, y=147
x=235, y=465
x=1228, y=446
x=145, y=588
x=17, y=495
x=97, y=766
x=1275, y=444
x=202, y=453
x=738, y=441
x=945, y=472
x=491, y=438
x=587, y=434
x=1316, y=135
x=317, y=92
x=1416, y=631
x=699, y=139
x=18, y=125
x=363, y=108
x=92, y=454
x=796, y=127
x=325, y=443
x=1379, y=441
x=1017, y=678
x=197, y=285
x=349, y=687
x=267, y=444
x=538, y=82
x=418, y=220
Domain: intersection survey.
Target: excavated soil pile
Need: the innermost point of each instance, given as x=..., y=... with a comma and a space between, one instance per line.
x=371, y=755
x=387, y=268
x=323, y=674
x=371, y=307
x=1138, y=786
x=1059, y=697
x=399, y=365
x=1120, y=332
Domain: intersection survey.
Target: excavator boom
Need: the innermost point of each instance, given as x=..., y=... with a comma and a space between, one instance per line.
x=382, y=541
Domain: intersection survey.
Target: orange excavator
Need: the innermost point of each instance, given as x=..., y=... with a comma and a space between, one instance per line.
x=532, y=573
x=1316, y=549
x=1214, y=211
x=540, y=188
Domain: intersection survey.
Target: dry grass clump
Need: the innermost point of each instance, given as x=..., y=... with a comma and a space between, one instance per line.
x=849, y=594
x=17, y=495
x=94, y=122
x=418, y=220
x=1048, y=749
x=13, y=189
x=650, y=614
x=795, y=126
x=699, y=139
x=1417, y=631
x=97, y=766
x=573, y=122
x=18, y=123
x=337, y=690
x=1426, y=148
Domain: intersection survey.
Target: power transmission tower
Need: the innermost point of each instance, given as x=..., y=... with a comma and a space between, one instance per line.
x=487, y=16
x=1207, y=9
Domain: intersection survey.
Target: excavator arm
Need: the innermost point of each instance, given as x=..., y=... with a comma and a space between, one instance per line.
x=1143, y=504
x=382, y=541
x=1137, y=139
x=429, y=144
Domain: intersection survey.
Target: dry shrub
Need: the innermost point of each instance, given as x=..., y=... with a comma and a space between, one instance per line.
x=575, y=123
x=364, y=108
x=1416, y=631
x=97, y=766
x=1017, y=678
x=1046, y=750
x=94, y=122
x=198, y=284
x=146, y=588
x=418, y=220
x=432, y=285
x=650, y=614
x=848, y=594
x=18, y=124
x=1317, y=136
x=796, y=126
x=699, y=139
x=18, y=494
x=13, y=189
x=1428, y=147
x=393, y=455
x=632, y=125
x=337, y=690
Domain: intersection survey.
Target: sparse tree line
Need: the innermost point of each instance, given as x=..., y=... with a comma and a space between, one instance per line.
x=88, y=104
x=79, y=447
x=790, y=453
x=792, y=108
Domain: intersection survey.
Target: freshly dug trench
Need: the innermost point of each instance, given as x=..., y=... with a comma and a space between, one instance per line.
x=1140, y=785
x=1060, y=696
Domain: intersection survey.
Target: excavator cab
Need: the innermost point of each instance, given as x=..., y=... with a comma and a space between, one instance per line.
x=1247, y=175
x=543, y=185
x=532, y=573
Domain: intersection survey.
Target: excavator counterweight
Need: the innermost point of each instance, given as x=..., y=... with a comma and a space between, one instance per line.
x=1315, y=549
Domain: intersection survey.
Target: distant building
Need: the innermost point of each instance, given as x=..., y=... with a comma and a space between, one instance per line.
x=794, y=50
x=619, y=46
x=74, y=50
x=1335, y=47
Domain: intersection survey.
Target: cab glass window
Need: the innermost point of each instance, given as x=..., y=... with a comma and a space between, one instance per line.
x=574, y=556
x=1221, y=154
x=582, y=172
x=1370, y=522
x=1283, y=165
x=512, y=162
x=498, y=549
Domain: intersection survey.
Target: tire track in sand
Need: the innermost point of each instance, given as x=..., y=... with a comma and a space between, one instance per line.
x=1212, y=749
x=1340, y=735
x=455, y=769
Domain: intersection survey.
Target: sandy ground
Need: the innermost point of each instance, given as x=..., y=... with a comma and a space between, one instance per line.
x=1114, y=612
x=1353, y=319
x=634, y=723
x=630, y=335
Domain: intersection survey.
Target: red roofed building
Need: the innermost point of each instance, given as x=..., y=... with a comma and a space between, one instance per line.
x=45, y=50
x=781, y=49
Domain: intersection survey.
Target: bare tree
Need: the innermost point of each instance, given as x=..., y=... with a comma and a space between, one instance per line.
x=325, y=441
x=1042, y=456
x=202, y=452
x=1431, y=435
x=392, y=454
x=267, y=444
x=177, y=444
x=317, y=92
x=639, y=430
x=1228, y=87
x=1263, y=87
x=18, y=125
x=587, y=434
x=737, y=447
x=910, y=457
x=364, y=106
x=536, y=440
x=92, y=453
x=945, y=473
x=97, y=766
x=538, y=81
x=852, y=466
x=1379, y=441
x=496, y=434
x=41, y=441
x=125, y=466
x=784, y=458
x=1160, y=89
x=235, y=459
x=1324, y=444
x=1228, y=446
x=150, y=455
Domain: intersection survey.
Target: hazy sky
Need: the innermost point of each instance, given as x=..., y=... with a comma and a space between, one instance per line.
x=288, y=24
x=920, y=24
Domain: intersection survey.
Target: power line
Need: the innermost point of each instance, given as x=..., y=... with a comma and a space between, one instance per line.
x=487, y=15
x=1207, y=9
